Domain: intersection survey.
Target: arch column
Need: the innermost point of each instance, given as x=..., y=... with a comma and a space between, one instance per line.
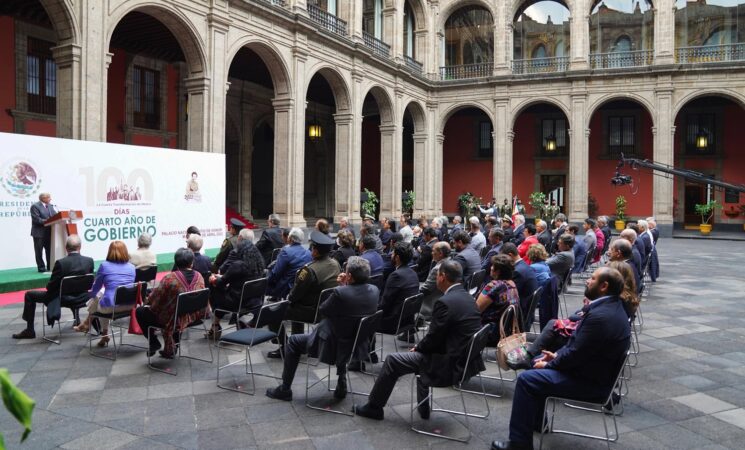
x=438, y=174
x=197, y=90
x=502, y=159
x=579, y=163
x=390, y=170
x=664, y=134
x=219, y=25
x=664, y=33
x=348, y=169
x=579, y=29
x=288, y=161
x=70, y=118
x=420, y=177
x=502, y=42
x=246, y=160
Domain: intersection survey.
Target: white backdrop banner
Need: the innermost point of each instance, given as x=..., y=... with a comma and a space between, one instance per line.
x=122, y=190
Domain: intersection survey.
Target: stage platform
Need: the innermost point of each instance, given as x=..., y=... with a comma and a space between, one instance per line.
x=29, y=278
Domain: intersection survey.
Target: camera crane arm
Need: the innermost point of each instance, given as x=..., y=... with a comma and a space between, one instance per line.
x=620, y=179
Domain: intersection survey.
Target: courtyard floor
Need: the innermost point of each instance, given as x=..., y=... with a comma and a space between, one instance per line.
x=688, y=390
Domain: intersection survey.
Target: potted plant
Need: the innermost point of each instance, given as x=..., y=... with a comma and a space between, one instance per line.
x=468, y=204
x=538, y=205
x=18, y=404
x=620, y=213
x=706, y=211
x=407, y=202
x=369, y=203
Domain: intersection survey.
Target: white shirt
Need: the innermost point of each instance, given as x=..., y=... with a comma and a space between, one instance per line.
x=406, y=233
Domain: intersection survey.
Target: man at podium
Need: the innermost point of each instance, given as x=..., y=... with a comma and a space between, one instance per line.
x=40, y=212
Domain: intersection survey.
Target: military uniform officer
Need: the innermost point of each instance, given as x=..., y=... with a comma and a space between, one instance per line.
x=228, y=244
x=320, y=274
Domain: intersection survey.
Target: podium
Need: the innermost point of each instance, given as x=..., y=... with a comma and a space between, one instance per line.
x=62, y=225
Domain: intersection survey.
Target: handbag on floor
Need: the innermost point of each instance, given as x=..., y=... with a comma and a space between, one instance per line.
x=513, y=347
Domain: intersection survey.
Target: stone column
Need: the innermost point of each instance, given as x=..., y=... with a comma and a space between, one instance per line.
x=87, y=65
x=246, y=161
x=502, y=43
x=219, y=24
x=392, y=23
x=438, y=173
x=420, y=181
x=664, y=135
x=69, y=111
x=435, y=49
x=502, y=159
x=197, y=90
x=348, y=169
x=390, y=170
x=664, y=32
x=579, y=164
x=289, y=155
x=579, y=30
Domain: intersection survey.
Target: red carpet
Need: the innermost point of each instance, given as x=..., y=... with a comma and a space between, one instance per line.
x=10, y=298
x=230, y=213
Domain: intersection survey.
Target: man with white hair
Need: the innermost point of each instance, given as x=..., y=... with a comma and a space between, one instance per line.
x=406, y=232
x=636, y=257
x=202, y=263
x=457, y=224
x=478, y=241
x=560, y=222
x=291, y=258
x=654, y=262
x=543, y=234
x=517, y=233
x=143, y=256
x=646, y=238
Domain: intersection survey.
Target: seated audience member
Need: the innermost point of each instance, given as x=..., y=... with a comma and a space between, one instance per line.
x=646, y=239
x=579, y=249
x=638, y=243
x=405, y=229
x=114, y=272
x=529, y=238
x=345, y=241
x=584, y=369
x=429, y=239
x=543, y=234
x=563, y=260
x=345, y=225
x=457, y=224
x=590, y=238
x=246, y=264
x=400, y=285
x=313, y=278
x=389, y=227
x=537, y=257
x=331, y=341
x=270, y=239
x=478, y=241
x=440, y=253
x=507, y=229
x=496, y=236
x=557, y=332
x=202, y=263
x=466, y=256
x=621, y=250
x=368, y=252
x=560, y=222
x=143, y=256
x=436, y=224
x=281, y=276
x=322, y=225
x=605, y=229
x=523, y=276
x=440, y=357
x=388, y=266
x=636, y=255
x=517, y=232
x=160, y=305
x=192, y=230
x=600, y=242
x=654, y=262
x=367, y=229
x=497, y=295
x=416, y=237
x=444, y=221
x=228, y=244
x=72, y=264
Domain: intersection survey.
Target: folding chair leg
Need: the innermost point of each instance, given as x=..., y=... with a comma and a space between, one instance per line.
x=44, y=328
x=249, y=371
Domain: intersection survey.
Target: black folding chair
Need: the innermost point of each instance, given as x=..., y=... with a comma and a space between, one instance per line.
x=125, y=296
x=529, y=315
x=275, y=254
x=251, y=289
x=249, y=337
x=186, y=303
x=475, y=347
x=73, y=294
x=146, y=274
x=477, y=279
x=406, y=322
x=365, y=330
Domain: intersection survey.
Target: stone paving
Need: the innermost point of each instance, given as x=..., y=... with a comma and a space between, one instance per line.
x=688, y=390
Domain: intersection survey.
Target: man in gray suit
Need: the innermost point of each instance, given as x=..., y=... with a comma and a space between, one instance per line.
x=40, y=212
x=563, y=260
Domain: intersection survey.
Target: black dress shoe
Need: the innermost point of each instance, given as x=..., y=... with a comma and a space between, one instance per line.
x=25, y=334
x=371, y=412
x=374, y=357
x=509, y=445
x=275, y=354
x=355, y=366
x=279, y=393
x=154, y=347
x=423, y=410
x=340, y=392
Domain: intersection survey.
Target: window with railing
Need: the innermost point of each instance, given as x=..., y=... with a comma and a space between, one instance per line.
x=41, y=77
x=621, y=34
x=540, y=37
x=409, y=27
x=146, y=97
x=621, y=136
x=554, y=140
x=701, y=136
x=709, y=31
x=323, y=12
x=485, y=140
x=468, y=43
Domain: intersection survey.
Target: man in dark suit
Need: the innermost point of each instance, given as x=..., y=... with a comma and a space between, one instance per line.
x=544, y=236
x=562, y=262
x=636, y=257
x=560, y=221
x=40, y=212
x=332, y=339
x=72, y=264
x=466, y=256
x=523, y=276
x=496, y=237
x=584, y=369
x=621, y=250
x=517, y=234
x=270, y=239
x=402, y=283
x=429, y=239
x=440, y=357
